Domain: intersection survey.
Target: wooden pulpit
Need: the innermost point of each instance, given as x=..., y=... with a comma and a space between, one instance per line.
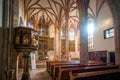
x=25, y=41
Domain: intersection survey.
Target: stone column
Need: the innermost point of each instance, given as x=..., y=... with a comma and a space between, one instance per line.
x=76, y=41
x=83, y=8
x=9, y=13
x=67, y=40
x=26, y=75
x=67, y=32
x=55, y=48
x=59, y=43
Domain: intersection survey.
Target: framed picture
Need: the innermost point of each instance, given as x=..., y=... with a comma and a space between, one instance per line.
x=51, y=43
x=25, y=39
x=17, y=39
x=72, y=45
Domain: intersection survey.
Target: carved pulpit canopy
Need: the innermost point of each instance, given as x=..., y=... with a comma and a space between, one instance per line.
x=25, y=38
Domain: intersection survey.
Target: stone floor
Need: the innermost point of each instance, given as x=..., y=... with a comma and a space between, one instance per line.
x=37, y=74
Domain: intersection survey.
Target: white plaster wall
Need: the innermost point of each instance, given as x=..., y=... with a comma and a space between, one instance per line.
x=1, y=11
x=52, y=31
x=104, y=21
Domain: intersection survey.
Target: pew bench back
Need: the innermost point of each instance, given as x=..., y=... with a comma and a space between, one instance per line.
x=51, y=66
x=97, y=75
x=64, y=72
x=58, y=67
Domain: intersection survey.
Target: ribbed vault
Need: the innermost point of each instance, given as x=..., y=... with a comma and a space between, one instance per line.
x=53, y=11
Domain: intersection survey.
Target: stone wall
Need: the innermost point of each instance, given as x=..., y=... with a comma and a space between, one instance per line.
x=14, y=21
x=8, y=54
x=0, y=49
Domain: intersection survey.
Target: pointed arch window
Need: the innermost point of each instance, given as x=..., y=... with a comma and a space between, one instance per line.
x=62, y=33
x=31, y=22
x=71, y=34
x=71, y=39
x=90, y=33
x=43, y=27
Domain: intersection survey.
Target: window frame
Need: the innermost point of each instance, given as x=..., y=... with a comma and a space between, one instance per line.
x=108, y=30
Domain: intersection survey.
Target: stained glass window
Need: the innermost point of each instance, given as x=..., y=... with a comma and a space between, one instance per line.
x=71, y=34
x=62, y=33
x=90, y=33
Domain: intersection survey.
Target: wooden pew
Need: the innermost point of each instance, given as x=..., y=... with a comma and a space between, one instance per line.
x=98, y=56
x=57, y=68
x=113, y=74
x=51, y=66
x=64, y=72
x=48, y=64
x=51, y=62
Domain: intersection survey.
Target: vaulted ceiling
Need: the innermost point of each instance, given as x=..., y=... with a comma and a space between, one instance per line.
x=53, y=11
x=95, y=7
x=56, y=11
